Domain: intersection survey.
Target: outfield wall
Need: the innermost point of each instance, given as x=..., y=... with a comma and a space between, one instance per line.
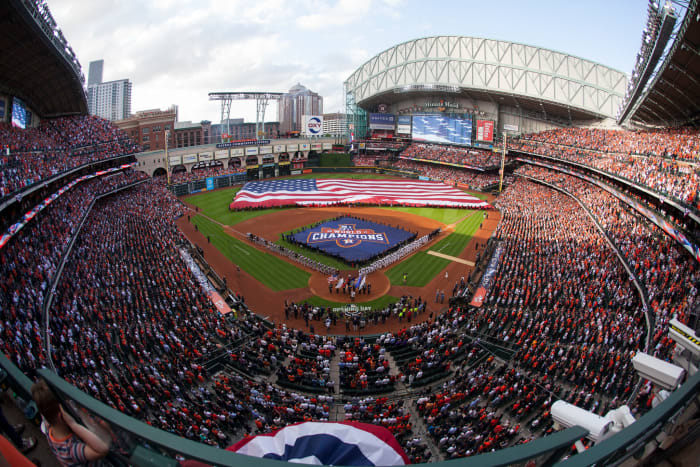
x=225, y=181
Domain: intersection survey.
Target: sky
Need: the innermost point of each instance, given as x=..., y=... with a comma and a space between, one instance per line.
x=178, y=51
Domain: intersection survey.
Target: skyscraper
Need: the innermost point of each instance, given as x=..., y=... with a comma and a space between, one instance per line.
x=95, y=72
x=110, y=100
x=296, y=103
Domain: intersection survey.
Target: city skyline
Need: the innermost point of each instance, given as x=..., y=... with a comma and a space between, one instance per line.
x=177, y=51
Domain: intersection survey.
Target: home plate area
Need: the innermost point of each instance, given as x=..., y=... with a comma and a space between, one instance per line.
x=351, y=239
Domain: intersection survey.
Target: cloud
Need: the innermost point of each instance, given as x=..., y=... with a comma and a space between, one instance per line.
x=177, y=51
x=344, y=12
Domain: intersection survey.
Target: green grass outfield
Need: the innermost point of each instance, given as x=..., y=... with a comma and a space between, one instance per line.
x=376, y=304
x=481, y=196
x=444, y=215
x=422, y=267
x=214, y=204
x=264, y=267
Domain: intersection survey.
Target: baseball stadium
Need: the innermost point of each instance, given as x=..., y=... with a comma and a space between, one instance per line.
x=499, y=265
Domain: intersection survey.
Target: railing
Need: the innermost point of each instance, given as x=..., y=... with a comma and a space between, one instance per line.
x=140, y=444
x=659, y=195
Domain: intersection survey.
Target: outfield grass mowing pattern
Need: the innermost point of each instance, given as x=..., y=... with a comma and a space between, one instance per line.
x=268, y=269
x=444, y=215
x=421, y=268
x=214, y=204
x=455, y=243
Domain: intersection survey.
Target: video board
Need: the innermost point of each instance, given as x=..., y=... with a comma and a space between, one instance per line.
x=441, y=128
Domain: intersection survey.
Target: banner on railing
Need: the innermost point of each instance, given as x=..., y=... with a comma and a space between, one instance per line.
x=487, y=278
x=207, y=288
x=17, y=226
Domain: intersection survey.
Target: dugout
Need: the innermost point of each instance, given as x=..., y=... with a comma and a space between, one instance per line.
x=253, y=172
x=267, y=170
x=285, y=168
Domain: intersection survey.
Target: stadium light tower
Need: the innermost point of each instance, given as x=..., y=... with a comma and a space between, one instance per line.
x=503, y=161
x=261, y=99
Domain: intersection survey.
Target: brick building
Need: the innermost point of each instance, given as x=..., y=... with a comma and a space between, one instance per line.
x=148, y=127
x=192, y=134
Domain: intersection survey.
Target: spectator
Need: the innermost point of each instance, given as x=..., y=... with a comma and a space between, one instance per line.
x=70, y=441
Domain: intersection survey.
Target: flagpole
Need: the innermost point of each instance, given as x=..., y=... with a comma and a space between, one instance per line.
x=167, y=160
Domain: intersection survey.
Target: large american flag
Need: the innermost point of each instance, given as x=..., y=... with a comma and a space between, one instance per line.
x=310, y=192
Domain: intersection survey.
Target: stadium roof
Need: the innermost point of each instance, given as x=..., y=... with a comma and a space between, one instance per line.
x=673, y=95
x=37, y=65
x=542, y=80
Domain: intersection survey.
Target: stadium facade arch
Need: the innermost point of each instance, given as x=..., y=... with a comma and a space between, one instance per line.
x=521, y=87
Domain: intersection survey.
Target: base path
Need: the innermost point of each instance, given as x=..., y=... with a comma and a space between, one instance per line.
x=451, y=258
x=270, y=304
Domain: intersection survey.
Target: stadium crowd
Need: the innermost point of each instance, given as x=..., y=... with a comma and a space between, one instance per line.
x=472, y=157
x=670, y=277
x=29, y=260
x=368, y=160
x=473, y=179
x=655, y=159
x=674, y=143
x=202, y=173
x=573, y=311
x=130, y=325
x=57, y=145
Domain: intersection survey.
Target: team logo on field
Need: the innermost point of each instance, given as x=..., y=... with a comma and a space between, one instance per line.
x=347, y=236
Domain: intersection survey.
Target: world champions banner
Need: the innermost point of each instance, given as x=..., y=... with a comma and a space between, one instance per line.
x=351, y=239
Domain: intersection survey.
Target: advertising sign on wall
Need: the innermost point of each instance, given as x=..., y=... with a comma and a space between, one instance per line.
x=265, y=149
x=382, y=121
x=484, y=130
x=242, y=142
x=315, y=146
x=304, y=147
x=312, y=125
x=174, y=160
x=206, y=156
x=403, y=126
x=292, y=147
x=327, y=146
x=189, y=158
x=278, y=148
x=237, y=152
x=251, y=151
x=221, y=155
